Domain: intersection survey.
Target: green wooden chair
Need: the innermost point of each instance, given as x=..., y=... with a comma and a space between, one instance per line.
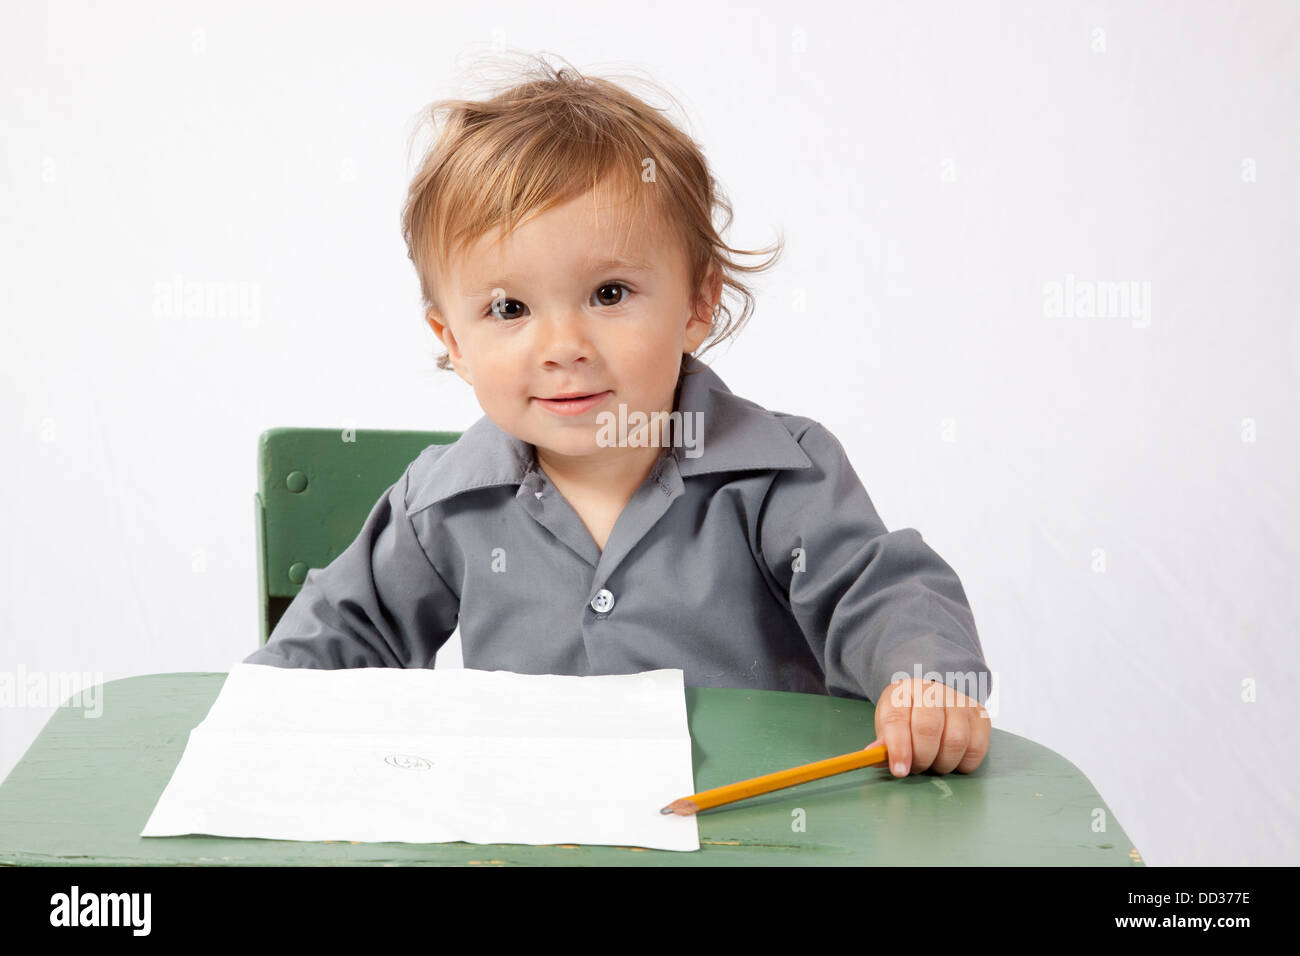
x=315, y=488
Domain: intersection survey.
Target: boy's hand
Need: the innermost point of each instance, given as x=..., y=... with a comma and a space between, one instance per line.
x=926, y=725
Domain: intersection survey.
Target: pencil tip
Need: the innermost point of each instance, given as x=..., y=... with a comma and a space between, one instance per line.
x=683, y=808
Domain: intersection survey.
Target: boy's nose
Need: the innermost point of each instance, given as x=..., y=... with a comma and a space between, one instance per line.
x=565, y=337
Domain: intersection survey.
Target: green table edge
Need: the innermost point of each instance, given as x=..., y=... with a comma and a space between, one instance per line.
x=1024, y=805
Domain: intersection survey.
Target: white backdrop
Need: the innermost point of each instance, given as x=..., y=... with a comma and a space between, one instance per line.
x=1109, y=483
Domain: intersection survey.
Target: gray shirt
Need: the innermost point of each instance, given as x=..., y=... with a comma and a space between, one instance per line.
x=753, y=559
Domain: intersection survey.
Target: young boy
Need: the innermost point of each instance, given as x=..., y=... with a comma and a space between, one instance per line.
x=562, y=233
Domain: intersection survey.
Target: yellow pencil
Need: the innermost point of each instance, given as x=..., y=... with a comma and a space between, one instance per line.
x=776, y=781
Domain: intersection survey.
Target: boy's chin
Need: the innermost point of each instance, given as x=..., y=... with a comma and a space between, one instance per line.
x=577, y=444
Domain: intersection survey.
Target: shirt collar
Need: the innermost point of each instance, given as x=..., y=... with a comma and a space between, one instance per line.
x=734, y=435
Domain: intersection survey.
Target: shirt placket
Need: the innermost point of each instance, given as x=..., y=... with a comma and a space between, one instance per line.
x=540, y=498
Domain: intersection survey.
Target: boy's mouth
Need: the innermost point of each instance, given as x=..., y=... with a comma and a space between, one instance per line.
x=572, y=403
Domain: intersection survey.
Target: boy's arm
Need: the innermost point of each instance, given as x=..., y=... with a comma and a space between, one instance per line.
x=381, y=603
x=874, y=604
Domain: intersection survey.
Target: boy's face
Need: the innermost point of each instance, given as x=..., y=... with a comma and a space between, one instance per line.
x=567, y=321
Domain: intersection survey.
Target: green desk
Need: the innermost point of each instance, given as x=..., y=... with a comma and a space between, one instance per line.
x=83, y=791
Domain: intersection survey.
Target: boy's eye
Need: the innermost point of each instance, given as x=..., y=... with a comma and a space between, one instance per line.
x=503, y=308
x=611, y=286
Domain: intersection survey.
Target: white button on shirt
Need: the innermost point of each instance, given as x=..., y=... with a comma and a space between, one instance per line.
x=759, y=563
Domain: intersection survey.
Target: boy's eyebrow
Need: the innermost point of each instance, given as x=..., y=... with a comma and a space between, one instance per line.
x=485, y=286
x=621, y=263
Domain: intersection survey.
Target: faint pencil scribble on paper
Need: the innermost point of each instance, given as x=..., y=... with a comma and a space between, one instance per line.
x=407, y=762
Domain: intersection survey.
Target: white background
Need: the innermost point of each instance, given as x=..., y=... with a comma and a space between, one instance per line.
x=1118, y=494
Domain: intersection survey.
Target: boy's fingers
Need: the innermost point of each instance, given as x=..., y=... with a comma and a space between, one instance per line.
x=955, y=742
x=894, y=725
x=980, y=732
x=927, y=725
x=928, y=720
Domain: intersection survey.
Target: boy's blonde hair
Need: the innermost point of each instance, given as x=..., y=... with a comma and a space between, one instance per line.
x=553, y=135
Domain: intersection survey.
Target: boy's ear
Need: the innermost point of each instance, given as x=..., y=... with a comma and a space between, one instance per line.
x=706, y=306
x=443, y=331
x=436, y=323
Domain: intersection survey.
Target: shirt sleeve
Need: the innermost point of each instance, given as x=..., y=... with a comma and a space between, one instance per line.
x=381, y=603
x=875, y=605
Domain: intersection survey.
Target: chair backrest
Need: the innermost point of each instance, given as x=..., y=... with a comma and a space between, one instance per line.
x=315, y=488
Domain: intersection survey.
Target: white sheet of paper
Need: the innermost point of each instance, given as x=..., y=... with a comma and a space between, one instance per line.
x=379, y=754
